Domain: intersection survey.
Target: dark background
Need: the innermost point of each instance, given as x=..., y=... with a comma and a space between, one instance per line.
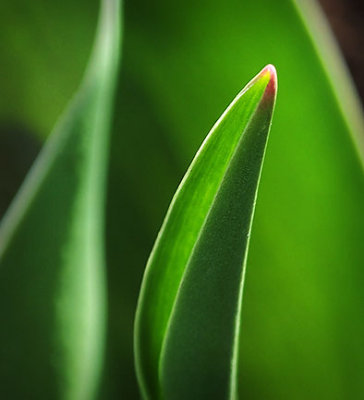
x=346, y=18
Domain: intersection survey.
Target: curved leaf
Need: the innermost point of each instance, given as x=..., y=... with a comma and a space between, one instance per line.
x=52, y=300
x=192, y=288
x=304, y=295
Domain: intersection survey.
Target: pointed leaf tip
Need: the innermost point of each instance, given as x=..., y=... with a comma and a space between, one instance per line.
x=193, y=280
x=271, y=89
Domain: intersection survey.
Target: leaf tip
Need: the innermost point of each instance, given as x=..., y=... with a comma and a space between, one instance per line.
x=271, y=89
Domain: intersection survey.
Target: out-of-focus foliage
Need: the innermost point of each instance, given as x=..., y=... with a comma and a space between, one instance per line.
x=44, y=49
x=182, y=62
x=52, y=267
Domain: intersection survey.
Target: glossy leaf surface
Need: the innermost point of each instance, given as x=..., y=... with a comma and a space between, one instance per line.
x=191, y=293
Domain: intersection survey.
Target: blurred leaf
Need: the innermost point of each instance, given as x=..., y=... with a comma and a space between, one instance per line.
x=52, y=298
x=189, y=310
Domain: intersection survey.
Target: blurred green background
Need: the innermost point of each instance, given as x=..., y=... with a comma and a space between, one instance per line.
x=182, y=63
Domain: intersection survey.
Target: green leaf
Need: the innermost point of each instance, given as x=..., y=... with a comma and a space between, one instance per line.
x=188, y=314
x=52, y=292
x=302, y=335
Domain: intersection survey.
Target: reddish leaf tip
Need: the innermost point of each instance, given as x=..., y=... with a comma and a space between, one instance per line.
x=271, y=88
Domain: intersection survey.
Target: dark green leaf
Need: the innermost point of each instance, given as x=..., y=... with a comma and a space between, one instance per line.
x=52, y=300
